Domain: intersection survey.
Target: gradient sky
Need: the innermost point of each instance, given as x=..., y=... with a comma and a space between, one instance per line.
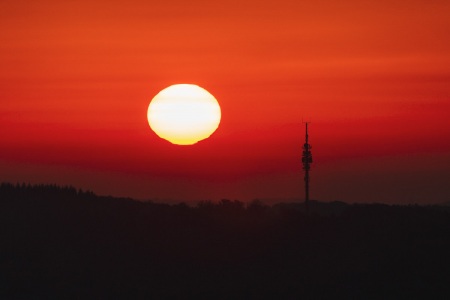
x=76, y=78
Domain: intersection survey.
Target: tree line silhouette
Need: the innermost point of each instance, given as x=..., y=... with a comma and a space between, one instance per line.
x=60, y=242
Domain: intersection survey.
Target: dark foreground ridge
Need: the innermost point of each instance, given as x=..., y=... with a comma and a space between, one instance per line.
x=60, y=243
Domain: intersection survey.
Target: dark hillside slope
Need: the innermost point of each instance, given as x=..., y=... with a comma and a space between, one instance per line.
x=62, y=243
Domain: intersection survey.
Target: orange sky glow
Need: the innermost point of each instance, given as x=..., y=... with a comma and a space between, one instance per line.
x=76, y=78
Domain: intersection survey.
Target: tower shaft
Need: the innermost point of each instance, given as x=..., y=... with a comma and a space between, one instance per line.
x=307, y=190
x=306, y=160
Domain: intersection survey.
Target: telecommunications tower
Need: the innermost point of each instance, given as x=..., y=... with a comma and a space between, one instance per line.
x=306, y=160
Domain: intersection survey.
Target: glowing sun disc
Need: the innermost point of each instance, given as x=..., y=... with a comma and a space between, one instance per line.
x=184, y=114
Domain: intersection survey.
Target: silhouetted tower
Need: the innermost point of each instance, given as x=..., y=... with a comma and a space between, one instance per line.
x=306, y=160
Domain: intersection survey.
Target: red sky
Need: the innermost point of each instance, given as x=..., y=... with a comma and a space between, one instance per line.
x=76, y=78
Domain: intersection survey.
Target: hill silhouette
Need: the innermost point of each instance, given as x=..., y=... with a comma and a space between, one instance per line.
x=64, y=243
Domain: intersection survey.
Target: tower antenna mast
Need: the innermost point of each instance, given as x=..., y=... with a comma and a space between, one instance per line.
x=306, y=160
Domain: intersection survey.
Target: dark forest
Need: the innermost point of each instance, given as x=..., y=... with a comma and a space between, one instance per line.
x=64, y=243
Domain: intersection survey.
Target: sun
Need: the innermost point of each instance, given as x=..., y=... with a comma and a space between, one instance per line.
x=184, y=114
